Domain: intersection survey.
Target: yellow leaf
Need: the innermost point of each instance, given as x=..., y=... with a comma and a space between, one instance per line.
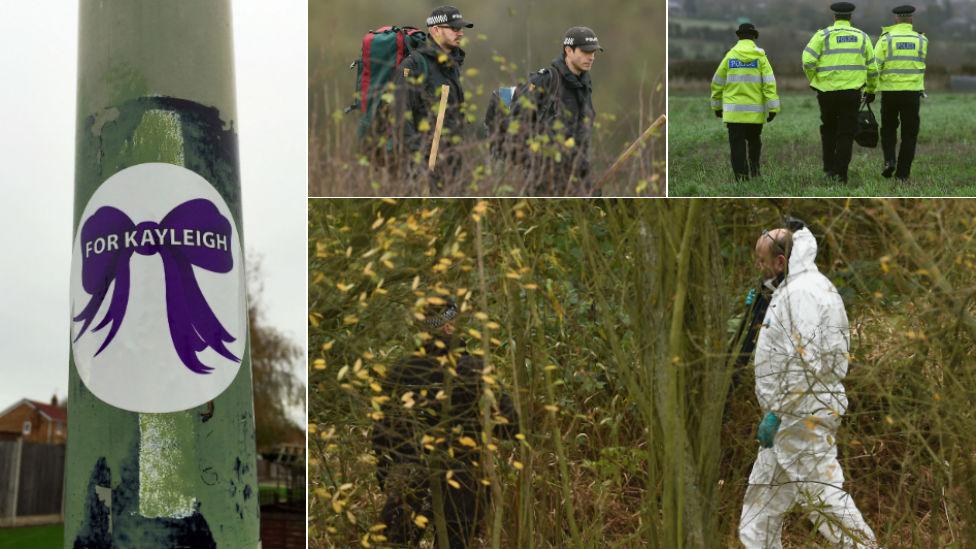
x=327, y=346
x=319, y=364
x=468, y=441
x=376, y=224
x=454, y=484
x=518, y=465
x=421, y=521
x=551, y=408
x=343, y=287
x=376, y=387
x=424, y=126
x=570, y=143
x=342, y=373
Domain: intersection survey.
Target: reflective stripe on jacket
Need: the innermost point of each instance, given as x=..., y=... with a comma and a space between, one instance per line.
x=840, y=57
x=901, y=58
x=744, y=87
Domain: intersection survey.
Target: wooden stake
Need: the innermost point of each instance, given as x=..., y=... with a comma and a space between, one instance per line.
x=445, y=92
x=629, y=152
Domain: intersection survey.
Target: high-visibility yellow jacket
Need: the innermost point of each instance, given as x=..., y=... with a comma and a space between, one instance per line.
x=901, y=58
x=744, y=87
x=840, y=57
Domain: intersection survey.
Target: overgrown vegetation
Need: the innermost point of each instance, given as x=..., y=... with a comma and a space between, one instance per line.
x=608, y=321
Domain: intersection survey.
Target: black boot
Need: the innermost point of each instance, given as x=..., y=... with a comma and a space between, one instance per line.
x=889, y=169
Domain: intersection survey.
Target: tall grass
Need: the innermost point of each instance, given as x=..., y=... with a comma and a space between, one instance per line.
x=340, y=164
x=607, y=322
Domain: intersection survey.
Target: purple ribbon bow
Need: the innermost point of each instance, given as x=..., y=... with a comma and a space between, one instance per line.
x=192, y=234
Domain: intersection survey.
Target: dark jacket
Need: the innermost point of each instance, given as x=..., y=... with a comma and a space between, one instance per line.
x=418, y=98
x=563, y=108
x=397, y=437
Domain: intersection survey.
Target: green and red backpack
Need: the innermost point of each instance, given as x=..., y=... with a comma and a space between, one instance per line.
x=383, y=51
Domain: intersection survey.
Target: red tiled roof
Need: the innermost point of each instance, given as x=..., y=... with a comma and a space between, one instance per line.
x=56, y=413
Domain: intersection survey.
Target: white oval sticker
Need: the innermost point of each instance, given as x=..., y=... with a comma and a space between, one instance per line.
x=158, y=305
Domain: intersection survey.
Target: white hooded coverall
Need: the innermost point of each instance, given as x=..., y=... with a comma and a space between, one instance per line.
x=801, y=360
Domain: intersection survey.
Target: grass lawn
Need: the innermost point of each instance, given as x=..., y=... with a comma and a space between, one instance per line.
x=698, y=152
x=271, y=493
x=32, y=537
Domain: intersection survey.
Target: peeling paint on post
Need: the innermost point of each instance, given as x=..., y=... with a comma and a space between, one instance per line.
x=156, y=90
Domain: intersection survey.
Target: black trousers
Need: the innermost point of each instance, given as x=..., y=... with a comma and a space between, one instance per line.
x=838, y=124
x=746, y=146
x=903, y=106
x=463, y=509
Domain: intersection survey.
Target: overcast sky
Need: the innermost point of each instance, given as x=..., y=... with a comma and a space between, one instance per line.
x=38, y=58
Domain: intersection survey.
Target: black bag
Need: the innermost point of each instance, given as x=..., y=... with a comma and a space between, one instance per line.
x=867, y=128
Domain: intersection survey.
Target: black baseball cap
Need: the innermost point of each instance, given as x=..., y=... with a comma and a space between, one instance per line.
x=448, y=16
x=747, y=30
x=583, y=38
x=842, y=8
x=904, y=10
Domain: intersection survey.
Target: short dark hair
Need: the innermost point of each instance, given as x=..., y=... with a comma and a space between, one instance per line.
x=842, y=16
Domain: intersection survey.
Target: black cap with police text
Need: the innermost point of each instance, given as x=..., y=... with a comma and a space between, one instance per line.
x=583, y=38
x=904, y=10
x=747, y=30
x=842, y=8
x=448, y=16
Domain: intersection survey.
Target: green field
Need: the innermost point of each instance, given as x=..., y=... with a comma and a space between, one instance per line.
x=698, y=153
x=32, y=537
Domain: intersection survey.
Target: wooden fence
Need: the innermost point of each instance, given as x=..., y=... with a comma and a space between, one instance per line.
x=31, y=482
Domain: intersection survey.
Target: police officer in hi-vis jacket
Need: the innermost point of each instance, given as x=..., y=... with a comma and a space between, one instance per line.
x=901, y=53
x=744, y=97
x=839, y=63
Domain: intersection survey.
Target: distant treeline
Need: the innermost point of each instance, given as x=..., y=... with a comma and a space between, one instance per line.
x=697, y=46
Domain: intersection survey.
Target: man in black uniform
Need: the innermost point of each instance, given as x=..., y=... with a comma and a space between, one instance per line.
x=555, y=149
x=418, y=88
x=427, y=403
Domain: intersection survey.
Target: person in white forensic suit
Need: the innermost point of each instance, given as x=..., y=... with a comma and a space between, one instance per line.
x=801, y=360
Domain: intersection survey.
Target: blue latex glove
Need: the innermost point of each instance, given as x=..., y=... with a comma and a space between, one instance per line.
x=767, y=430
x=751, y=297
